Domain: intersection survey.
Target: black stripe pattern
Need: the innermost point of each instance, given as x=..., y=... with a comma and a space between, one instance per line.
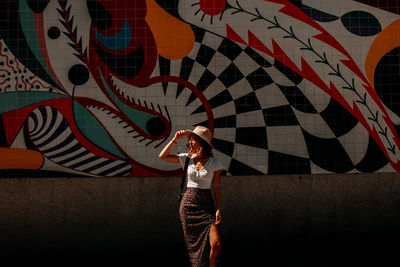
x=51, y=134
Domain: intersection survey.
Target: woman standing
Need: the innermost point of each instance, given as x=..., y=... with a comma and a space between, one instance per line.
x=199, y=216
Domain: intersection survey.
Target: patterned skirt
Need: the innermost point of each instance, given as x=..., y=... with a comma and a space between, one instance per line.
x=197, y=213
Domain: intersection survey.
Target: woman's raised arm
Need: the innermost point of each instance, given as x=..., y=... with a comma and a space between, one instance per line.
x=166, y=152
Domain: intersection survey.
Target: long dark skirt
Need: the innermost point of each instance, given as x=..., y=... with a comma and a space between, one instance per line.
x=197, y=213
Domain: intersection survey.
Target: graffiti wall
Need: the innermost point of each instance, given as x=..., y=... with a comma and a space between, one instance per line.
x=98, y=87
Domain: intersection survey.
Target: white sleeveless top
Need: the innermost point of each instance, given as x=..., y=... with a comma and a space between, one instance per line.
x=203, y=178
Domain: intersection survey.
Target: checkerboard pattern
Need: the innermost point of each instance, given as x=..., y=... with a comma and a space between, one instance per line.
x=268, y=119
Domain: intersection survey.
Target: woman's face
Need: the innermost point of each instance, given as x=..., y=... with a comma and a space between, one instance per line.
x=194, y=143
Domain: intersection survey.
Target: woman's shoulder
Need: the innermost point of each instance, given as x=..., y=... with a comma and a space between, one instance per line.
x=216, y=164
x=182, y=158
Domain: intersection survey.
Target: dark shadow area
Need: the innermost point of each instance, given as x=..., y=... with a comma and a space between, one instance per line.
x=378, y=248
x=368, y=249
x=343, y=220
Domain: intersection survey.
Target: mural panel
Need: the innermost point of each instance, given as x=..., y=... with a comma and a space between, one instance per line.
x=97, y=87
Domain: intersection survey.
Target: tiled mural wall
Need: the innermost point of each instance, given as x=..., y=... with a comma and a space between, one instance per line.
x=98, y=87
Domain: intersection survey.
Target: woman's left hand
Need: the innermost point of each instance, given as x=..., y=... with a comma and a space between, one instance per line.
x=218, y=217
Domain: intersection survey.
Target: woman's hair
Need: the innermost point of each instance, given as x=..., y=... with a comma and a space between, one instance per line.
x=207, y=149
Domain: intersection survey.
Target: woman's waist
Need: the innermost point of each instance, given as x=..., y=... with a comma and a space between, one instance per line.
x=199, y=190
x=206, y=185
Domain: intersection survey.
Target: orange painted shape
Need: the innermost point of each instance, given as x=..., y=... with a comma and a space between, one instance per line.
x=20, y=158
x=174, y=38
x=386, y=41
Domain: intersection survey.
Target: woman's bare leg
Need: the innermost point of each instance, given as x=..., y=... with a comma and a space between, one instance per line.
x=215, y=243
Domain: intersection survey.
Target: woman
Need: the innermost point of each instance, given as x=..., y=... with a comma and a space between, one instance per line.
x=197, y=210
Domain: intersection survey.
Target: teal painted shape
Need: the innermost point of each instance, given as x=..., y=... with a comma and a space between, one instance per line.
x=26, y=17
x=140, y=118
x=118, y=41
x=93, y=130
x=10, y=101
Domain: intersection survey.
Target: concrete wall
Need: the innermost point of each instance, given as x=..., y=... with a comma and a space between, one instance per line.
x=262, y=216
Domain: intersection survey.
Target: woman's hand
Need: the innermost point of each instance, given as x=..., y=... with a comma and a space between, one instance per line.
x=218, y=217
x=165, y=154
x=179, y=135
